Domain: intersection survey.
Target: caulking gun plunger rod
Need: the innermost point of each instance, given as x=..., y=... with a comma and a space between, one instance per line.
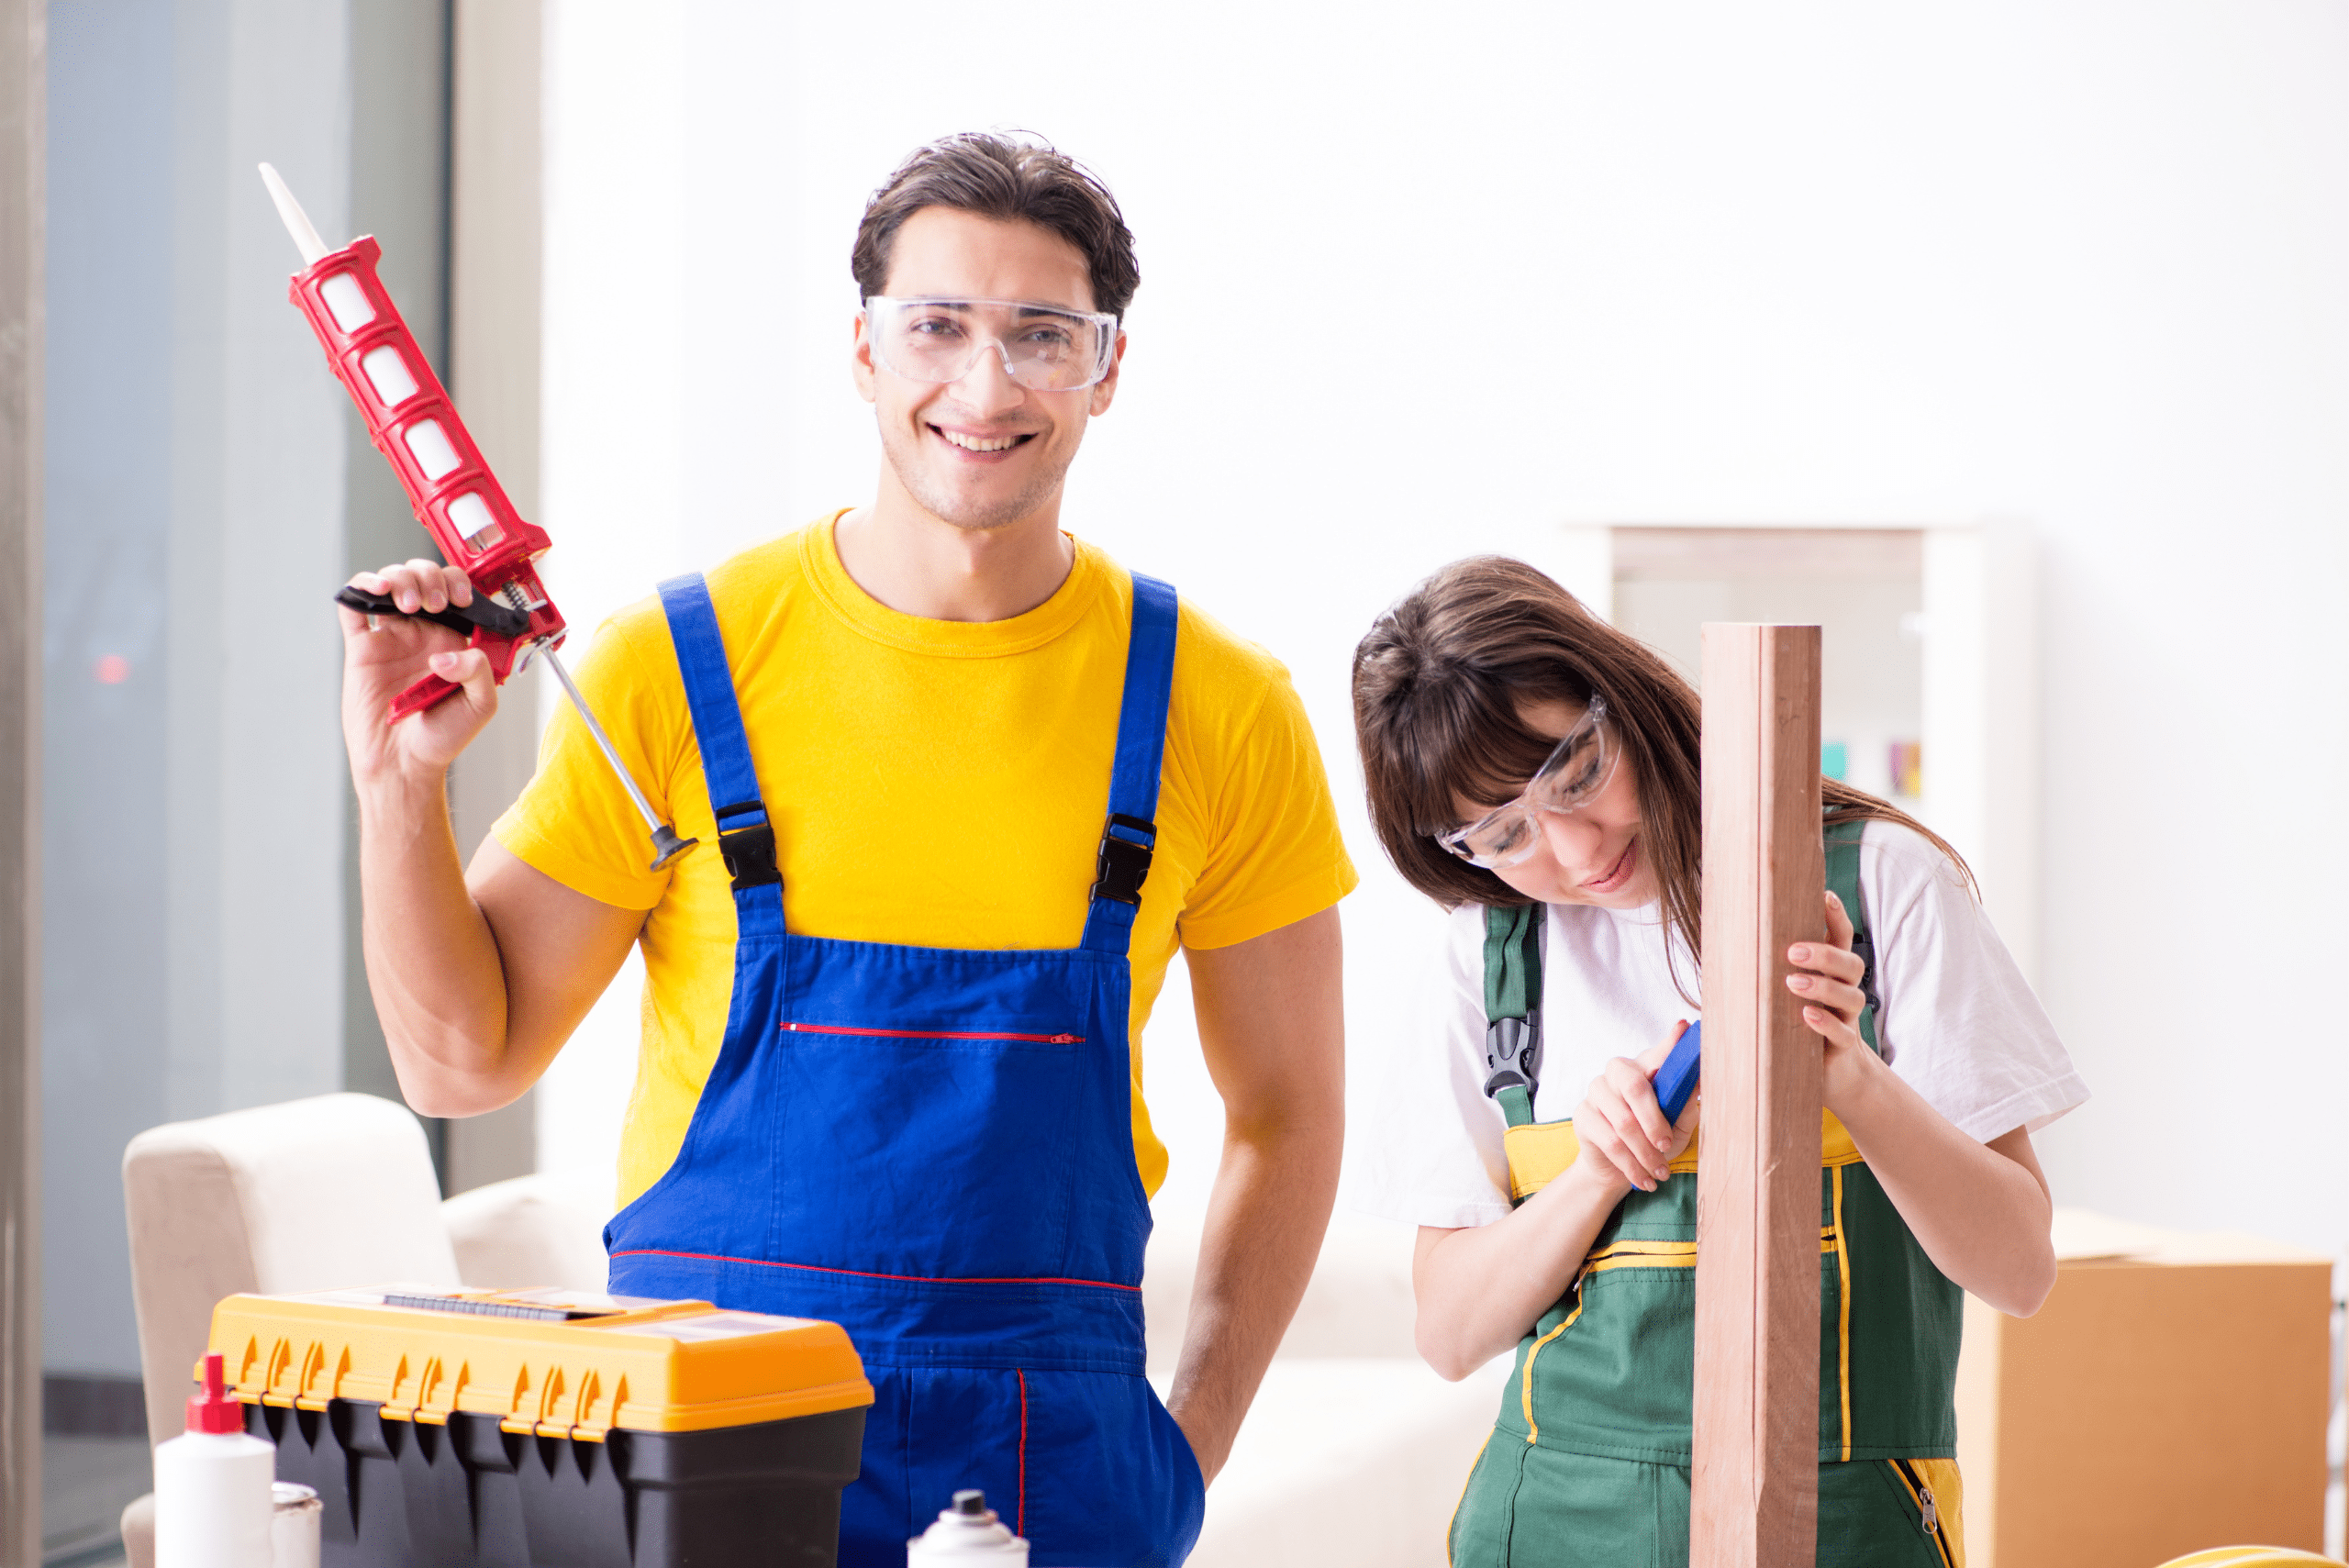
x=513, y=590
x=663, y=834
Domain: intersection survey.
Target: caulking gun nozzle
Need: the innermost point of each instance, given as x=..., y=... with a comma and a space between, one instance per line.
x=297, y=222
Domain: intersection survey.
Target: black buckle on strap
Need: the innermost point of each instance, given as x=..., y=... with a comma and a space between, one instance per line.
x=1512, y=1054
x=1864, y=948
x=748, y=852
x=1123, y=864
x=750, y=855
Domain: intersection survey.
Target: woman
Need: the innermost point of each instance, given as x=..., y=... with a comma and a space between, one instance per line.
x=1535, y=770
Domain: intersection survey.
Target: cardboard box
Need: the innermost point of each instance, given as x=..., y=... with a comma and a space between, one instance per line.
x=2170, y=1397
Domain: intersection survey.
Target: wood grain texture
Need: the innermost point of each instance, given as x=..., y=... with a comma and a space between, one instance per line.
x=1756, y=1417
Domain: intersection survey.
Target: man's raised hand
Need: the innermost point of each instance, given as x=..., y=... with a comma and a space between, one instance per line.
x=383, y=655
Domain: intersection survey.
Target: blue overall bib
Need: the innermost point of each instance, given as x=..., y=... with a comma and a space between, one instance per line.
x=932, y=1147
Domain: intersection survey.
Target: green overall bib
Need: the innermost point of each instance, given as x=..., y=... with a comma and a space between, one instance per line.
x=1588, y=1461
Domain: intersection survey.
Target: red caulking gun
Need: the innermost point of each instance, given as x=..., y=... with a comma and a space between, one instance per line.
x=454, y=494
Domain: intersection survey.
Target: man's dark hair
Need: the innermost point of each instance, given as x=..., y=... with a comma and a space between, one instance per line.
x=1010, y=179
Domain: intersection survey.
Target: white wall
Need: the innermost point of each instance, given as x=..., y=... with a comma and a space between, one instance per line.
x=1421, y=283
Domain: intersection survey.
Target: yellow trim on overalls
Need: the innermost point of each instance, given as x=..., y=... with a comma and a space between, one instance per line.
x=1525, y=1374
x=1540, y=1153
x=1937, y=1479
x=1668, y=1254
x=1465, y=1482
x=1633, y=1253
x=1842, y=1312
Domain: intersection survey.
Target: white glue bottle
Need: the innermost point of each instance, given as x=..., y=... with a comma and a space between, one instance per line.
x=213, y=1499
x=965, y=1536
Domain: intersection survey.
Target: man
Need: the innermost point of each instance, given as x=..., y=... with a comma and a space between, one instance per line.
x=961, y=787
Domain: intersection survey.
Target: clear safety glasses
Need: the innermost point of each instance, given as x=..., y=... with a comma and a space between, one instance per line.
x=1043, y=347
x=1570, y=780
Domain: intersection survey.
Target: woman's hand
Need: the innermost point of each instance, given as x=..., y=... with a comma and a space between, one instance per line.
x=1980, y=1210
x=1827, y=977
x=1620, y=1126
x=1480, y=1287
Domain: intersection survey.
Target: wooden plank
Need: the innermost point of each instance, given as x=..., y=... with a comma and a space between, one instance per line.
x=1757, y=1439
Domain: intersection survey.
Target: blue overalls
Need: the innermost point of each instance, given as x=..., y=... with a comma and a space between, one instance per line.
x=932, y=1146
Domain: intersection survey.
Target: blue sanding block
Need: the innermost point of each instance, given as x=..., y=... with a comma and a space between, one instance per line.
x=1676, y=1079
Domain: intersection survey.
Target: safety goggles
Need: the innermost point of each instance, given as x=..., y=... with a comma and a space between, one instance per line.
x=1575, y=772
x=1043, y=347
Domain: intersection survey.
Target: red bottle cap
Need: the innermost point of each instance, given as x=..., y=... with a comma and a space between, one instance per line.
x=213, y=1410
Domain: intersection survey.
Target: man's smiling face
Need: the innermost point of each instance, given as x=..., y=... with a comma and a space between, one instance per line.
x=984, y=451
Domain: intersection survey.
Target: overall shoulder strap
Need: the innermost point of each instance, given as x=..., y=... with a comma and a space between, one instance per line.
x=1843, y=837
x=1130, y=834
x=1513, y=1006
x=744, y=836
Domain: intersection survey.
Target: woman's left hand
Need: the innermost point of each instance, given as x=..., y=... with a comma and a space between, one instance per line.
x=1827, y=977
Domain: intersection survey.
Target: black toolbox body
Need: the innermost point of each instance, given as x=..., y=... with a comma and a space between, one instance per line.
x=467, y=1495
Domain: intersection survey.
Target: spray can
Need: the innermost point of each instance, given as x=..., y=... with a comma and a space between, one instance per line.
x=967, y=1535
x=213, y=1500
x=293, y=1532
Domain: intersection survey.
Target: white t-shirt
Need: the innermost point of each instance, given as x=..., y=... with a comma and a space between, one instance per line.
x=1959, y=1025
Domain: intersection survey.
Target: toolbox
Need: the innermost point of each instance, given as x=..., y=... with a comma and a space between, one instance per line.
x=550, y=1429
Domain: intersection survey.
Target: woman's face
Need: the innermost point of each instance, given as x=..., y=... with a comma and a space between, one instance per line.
x=1590, y=855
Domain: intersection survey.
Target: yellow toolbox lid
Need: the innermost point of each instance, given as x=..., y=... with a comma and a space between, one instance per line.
x=556, y=1362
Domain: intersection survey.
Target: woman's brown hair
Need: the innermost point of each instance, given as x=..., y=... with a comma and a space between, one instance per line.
x=1438, y=683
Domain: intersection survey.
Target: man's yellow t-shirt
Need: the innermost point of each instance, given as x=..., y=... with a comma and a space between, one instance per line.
x=937, y=784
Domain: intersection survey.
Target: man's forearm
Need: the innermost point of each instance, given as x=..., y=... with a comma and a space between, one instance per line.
x=432, y=963
x=1272, y=1027
x=1266, y=1222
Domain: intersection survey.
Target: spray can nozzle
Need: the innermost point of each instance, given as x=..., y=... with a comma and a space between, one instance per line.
x=967, y=1531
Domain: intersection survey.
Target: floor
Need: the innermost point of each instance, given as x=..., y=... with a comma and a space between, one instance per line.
x=85, y=1481
x=84, y=1484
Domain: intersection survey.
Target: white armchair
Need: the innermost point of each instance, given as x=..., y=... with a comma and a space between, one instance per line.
x=1354, y=1451
x=307, y=1196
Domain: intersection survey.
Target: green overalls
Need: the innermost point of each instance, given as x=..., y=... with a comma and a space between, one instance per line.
x=1588, y=1461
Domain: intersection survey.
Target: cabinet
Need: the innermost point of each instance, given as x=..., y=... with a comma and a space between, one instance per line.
x=1931, y=640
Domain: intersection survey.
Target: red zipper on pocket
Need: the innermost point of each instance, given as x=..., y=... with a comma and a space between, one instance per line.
x=930, y=1034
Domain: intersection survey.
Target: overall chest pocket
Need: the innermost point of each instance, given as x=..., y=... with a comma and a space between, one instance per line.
x=1611, y=1371
x=934, y=1153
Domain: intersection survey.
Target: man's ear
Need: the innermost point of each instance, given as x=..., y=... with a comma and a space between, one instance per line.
x=1107, y=387
x=859, y=367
